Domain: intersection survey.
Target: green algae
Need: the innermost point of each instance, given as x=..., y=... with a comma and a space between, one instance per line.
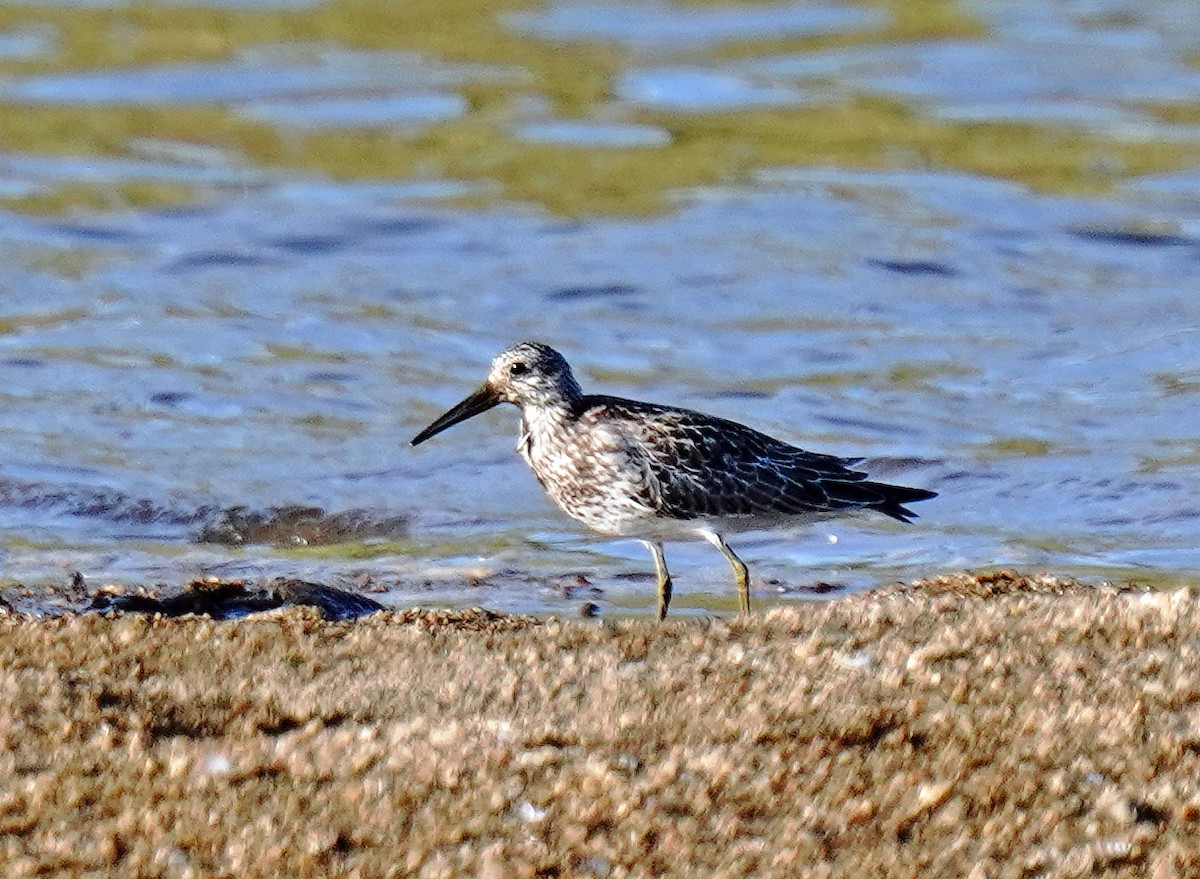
x=481, y=147
x=1019, y=447
x=925, y=375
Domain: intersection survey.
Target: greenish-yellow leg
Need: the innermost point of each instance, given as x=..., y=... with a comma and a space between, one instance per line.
x=741, y=574
x=664, y=577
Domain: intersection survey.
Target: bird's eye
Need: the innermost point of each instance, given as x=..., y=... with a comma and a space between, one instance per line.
x=518, y=368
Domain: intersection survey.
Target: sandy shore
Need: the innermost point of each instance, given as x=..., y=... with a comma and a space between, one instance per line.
x=976, y=727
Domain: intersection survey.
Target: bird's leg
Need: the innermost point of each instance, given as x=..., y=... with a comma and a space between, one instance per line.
x=664, y=577
x=741, y=574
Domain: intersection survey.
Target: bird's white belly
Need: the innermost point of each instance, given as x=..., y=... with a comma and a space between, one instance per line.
x=594, y=482
x=663, y=528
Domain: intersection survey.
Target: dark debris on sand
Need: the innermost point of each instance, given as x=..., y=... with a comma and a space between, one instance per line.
x=223, y=600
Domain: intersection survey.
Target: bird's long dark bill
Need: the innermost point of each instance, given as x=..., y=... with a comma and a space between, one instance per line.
x=480, y=401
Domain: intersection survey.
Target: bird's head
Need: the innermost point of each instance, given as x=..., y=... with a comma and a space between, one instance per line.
x=528, y=374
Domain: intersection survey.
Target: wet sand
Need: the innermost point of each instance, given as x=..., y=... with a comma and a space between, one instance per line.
x=990, y=726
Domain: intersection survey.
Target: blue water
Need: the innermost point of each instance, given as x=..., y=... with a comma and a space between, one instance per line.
x=1033, y=358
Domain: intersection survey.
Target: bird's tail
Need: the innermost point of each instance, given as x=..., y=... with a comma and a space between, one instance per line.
x=895, y=497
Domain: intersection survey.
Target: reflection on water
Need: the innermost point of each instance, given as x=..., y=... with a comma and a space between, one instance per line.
x=292, y=71
x=586, y=107
x=697, y=91
x=214, y=347
x=25, y=43
x=677, y=27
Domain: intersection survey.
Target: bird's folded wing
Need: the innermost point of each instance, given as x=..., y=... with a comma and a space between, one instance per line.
x=709, y=467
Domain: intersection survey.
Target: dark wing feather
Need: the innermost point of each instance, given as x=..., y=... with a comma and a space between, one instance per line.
x=706, y=466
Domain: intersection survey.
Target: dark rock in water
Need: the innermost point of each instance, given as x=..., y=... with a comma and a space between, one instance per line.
x=334, y=603
x=218, y=600
x=233, y=600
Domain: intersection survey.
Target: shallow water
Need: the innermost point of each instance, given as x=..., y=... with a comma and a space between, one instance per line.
x=220, y=378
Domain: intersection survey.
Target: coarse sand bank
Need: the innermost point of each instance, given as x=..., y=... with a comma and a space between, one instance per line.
x=971, y=726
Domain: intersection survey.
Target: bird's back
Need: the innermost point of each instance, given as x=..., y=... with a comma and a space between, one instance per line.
x=697, y=466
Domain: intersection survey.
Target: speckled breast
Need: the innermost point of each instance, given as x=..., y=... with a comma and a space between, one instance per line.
x=590, y=473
